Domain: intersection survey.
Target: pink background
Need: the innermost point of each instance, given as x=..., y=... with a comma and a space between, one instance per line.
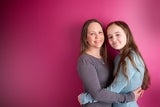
x=41, y=45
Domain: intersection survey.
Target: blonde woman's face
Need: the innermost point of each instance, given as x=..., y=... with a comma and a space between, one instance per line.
x=116, y=37
x=95, y=35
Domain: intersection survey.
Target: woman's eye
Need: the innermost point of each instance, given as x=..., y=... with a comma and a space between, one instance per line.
x=100, y=32
x=91, y=33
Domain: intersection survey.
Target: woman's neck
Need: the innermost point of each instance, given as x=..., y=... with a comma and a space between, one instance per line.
x=94, y=52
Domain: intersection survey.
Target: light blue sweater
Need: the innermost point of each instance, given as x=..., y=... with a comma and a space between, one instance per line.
x=121, y=84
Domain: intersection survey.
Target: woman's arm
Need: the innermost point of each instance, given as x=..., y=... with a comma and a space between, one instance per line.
x=88, y=75
x=117, y=85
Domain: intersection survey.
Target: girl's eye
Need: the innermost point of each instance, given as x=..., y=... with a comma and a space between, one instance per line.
x=117, y=34
x=109, y=37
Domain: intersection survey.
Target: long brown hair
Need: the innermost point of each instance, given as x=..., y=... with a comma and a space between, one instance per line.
x=130, y=45
x=84, y=43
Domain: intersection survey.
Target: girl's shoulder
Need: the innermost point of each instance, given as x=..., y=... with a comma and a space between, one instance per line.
x=136, y=58
x=135, y=55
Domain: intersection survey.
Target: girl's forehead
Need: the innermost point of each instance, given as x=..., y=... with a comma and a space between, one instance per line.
x=114, y=28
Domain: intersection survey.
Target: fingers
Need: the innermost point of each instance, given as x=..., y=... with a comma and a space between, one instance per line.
x=79, y=96
x=138, y=93
x=142, y=92
x=139, y=89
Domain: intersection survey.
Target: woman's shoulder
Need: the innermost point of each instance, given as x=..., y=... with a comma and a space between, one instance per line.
x=84, y=58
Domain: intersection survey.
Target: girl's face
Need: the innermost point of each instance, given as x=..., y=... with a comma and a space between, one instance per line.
x=116, y=37
x=95, y=35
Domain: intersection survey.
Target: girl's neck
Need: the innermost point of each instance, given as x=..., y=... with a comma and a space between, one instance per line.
x=120, y=51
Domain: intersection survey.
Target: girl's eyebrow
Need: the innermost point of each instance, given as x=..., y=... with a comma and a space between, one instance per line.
x=114, y=33
x=109, y=34
x=117, y=32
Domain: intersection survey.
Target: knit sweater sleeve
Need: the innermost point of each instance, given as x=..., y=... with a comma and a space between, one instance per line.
x=90, y=80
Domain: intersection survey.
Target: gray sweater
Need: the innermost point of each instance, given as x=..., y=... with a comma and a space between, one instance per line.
x=94, y=74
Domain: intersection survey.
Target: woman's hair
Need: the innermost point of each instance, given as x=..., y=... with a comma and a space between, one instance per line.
x=130, y=45
x=84, y=43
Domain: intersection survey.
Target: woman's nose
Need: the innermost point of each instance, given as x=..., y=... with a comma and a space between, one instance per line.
x=97, y=35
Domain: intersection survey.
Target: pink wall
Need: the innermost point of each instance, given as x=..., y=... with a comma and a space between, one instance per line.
x=41, y=44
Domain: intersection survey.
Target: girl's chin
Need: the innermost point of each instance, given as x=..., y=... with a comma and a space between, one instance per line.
x=116, y=48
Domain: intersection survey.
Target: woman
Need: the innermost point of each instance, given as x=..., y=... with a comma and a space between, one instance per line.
x=93, y=68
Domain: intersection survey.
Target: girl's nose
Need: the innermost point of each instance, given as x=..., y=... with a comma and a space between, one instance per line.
x=113, y=38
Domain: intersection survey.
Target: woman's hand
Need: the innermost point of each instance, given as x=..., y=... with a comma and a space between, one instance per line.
x=138, y=93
